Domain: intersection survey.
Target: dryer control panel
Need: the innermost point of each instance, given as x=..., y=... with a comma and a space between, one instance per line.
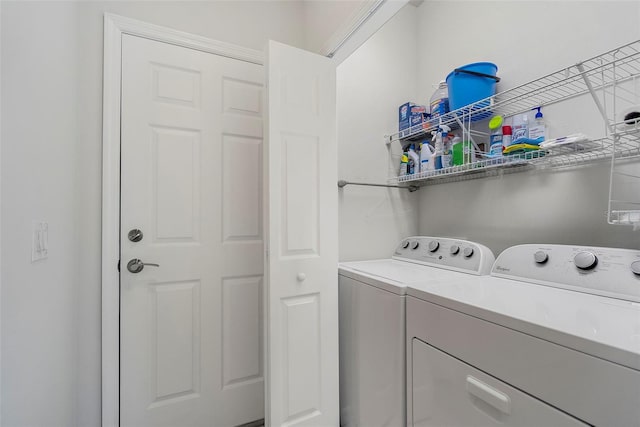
x=453, y=254
x=603, y=271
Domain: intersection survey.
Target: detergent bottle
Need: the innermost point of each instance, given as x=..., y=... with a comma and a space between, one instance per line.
x=414, y=158
x=427, y=157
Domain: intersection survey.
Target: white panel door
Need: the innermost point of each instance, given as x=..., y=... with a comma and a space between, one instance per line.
x=302, y=290
x=191, y=329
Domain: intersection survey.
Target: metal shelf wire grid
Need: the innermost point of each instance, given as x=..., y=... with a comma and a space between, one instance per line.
x=598, y=73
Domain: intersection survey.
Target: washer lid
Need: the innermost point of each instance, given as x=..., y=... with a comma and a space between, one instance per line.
x=605, y=327
x=393, y=275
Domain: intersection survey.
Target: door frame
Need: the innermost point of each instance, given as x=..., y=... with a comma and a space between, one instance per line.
x=115, y=27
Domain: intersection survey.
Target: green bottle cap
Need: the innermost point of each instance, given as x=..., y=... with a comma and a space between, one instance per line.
x=495, y=122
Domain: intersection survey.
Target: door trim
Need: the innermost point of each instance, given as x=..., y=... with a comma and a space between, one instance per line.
x=115, y=27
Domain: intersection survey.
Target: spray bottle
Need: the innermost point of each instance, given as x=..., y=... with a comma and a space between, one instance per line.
x=438, y=138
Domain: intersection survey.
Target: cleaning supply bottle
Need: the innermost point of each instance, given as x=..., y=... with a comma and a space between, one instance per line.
x=414, y=158
x=538, y=129
x=495, y=138
x=447, y=154
x=520, y=128
x=440, y=100
x=427, y=157
x=404, y=160
x=438, y=139
x=506, y=136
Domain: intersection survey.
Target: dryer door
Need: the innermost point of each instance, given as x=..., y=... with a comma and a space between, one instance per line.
x=448, y=392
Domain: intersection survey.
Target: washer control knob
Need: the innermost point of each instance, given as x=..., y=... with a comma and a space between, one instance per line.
x=585, y=260
x=467, y=252
x=455, y=249
x=405, y=244
x=433, y=245
x=635, y=267
x=414, y=245
x=541, y=257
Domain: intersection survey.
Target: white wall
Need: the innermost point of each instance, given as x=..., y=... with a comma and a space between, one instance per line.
x=381, y=75
x=323, y=18
x=39, y=182
x=51, y=58
x=526, y=40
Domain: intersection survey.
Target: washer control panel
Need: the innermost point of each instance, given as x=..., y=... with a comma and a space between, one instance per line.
x=448, y=253
x=604, y=271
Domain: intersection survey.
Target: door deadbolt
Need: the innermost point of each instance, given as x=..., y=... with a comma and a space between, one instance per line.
x=136, y=265
x=135, y=235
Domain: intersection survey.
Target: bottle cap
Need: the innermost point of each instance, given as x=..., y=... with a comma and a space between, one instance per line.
x=495, y=122
x=506, y=130
x=539, y=113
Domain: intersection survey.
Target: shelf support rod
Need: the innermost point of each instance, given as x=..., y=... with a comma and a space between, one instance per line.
x=592, y=91
x=342, y=183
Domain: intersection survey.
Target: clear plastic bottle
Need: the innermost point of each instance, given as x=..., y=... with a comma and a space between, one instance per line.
x=439, y=103
x=404, y=160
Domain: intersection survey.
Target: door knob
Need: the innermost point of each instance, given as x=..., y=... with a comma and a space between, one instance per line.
x=136, y=265
x=301, y=277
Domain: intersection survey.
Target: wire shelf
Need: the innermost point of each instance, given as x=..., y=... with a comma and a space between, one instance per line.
x=598, y=73
x=580, y=153
x=613, y=82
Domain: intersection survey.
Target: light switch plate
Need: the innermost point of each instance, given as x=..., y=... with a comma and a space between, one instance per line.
x=40, y=241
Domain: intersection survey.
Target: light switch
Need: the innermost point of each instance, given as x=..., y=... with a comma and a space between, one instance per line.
x=40, y=241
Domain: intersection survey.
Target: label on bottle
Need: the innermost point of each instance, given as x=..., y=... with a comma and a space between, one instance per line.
x=439, y=107
x=520, y=131
x=537, y=132
x=495, y=149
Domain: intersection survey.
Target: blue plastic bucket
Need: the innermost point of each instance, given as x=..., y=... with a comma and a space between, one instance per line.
x=471, y=83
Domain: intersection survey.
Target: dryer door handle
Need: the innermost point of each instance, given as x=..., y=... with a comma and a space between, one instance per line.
x=489, y=395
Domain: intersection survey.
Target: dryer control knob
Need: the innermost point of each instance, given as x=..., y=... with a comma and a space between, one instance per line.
x=414, y=245
x=433, y=246
x=541, y=257
x=635, y=267
x=455, y=249
x=585, y=260
x=467, y=252
x=405, y=244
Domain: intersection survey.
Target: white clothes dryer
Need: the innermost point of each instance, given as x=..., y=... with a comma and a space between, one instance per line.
x=550, y=338
x=372, y=322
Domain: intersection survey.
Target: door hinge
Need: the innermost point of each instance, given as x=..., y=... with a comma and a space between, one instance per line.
x=118, y=266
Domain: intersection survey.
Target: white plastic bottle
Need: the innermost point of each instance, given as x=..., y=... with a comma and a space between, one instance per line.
x=427, y=157
x=438, y=138
x=416, y=159
x=439, y=103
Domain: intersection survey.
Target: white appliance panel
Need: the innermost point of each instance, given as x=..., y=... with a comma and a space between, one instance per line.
x=448, y=392
x=589, y=388
x=372, y=356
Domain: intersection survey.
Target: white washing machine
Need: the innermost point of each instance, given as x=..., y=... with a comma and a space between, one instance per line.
x=550, y=338
x=372, y=322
